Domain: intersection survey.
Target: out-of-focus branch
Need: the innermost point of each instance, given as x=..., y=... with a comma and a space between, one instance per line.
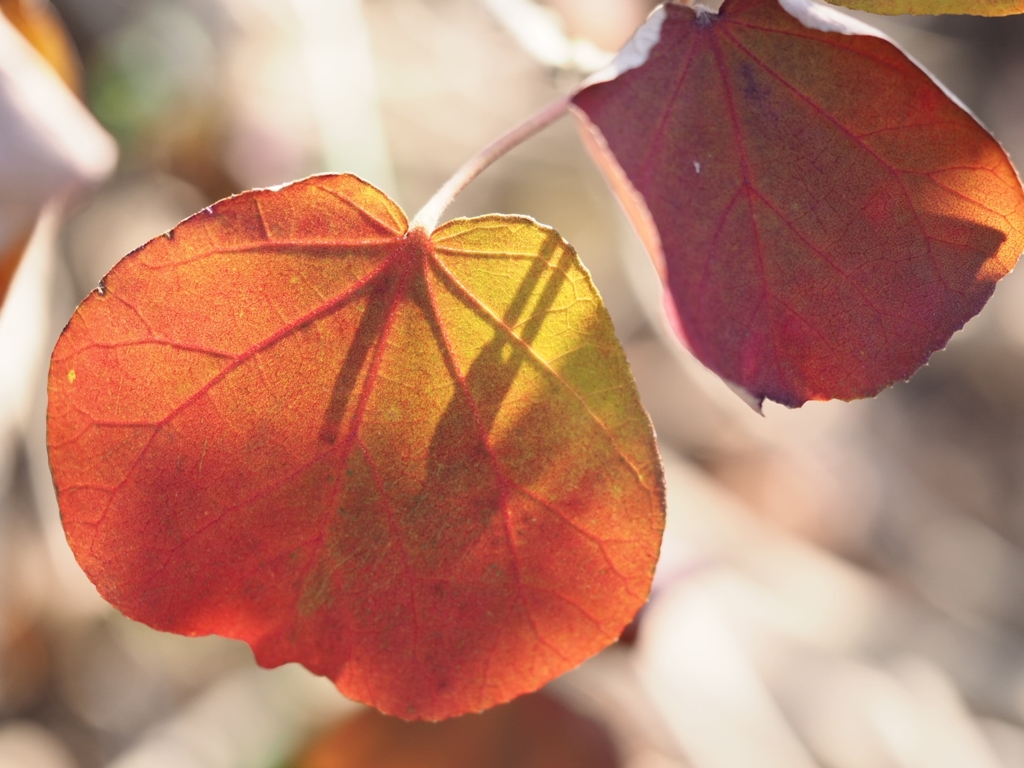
x=540, y=32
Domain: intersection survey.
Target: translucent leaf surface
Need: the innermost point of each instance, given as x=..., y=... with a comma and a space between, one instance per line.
x=823, y=214
x=417, y=464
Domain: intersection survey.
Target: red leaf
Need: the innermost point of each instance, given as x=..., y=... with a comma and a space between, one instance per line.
x=417, y=465
x=826, y=215
x=532, y=732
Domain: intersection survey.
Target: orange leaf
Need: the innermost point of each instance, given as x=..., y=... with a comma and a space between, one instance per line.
x=416, y=464
x=532, y=732
x=927, y=7
x=824, y=215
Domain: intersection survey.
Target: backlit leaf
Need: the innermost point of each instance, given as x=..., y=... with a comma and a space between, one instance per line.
x=925, y=7
x=823, y=214
x=532, y=732
x=417, y=464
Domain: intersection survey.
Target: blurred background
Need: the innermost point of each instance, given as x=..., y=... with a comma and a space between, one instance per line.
x=841, y=586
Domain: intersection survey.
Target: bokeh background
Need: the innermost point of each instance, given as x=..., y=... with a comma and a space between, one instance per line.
x=841, y=586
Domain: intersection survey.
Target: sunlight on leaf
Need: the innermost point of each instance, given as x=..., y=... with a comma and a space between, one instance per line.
x=417, y=464
x=823, y=215
x=929, y=7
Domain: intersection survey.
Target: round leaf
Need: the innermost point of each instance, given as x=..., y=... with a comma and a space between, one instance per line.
x=416, y=464
x=824, y=215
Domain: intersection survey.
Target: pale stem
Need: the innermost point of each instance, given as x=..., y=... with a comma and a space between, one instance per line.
x=430, y=214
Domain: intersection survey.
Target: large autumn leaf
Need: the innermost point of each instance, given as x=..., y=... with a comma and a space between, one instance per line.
x=824, y=216
x=973, y=7
x=416, y=464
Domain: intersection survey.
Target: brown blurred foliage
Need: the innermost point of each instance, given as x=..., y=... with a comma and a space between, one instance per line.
x=533, y=731
x=41, y=26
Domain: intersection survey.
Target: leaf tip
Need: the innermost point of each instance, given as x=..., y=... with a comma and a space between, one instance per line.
x=756, y=402
x=704, y=15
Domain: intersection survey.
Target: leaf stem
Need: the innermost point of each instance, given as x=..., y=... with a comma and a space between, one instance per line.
x=430, y=214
